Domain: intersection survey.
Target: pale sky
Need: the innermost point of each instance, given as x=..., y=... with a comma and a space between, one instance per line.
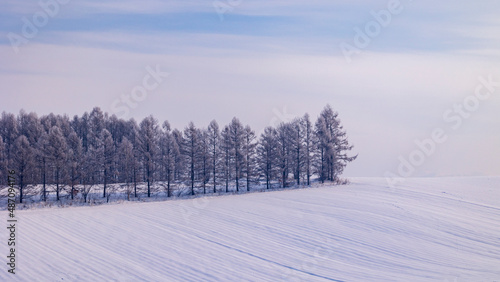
x=265, y=61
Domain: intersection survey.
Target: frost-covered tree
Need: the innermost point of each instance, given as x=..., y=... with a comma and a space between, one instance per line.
x=284, y=151
x=57, y=153
x=237, y=139
x=133, y=136
x=191, y=152
x=94, y=160
x=9, y=132
x=179, y=160
x=204, y=158
x=91, y=128
x=90, y=172
x=333, y=146
x=126, y=164
x=108, y=158
x=81, y=127
x=267, y=155
x=23, y=162
x=296, y=138
x=95, y=125
x=249, y=148
x=116, y=127
x=149, y=135
x=29, y=125
x=225, y=147
x=214, y=151
x=41, y=157
x=169, y=153
x=74, y=160
x=308, y=147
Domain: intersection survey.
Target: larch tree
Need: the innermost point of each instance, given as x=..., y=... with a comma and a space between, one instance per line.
x=190, y=150
x=29, y=125
x=225, y=147
x=284, y=151
x=108, y=158
x=249, y=148
x=308, y=147
x=82, y=129
x=148, y=146
x=94, y=149
x=169, y=151
x=204, y=153
x=296, y=139
x=323, y=139
x=333, y=145
x=126, y=164
x=237, y=134
x=41, y=156
x=179, y=159
x=267, y=154
x=133, y=137
x=23, y=161
x=90, y=172
x=95, y=126
x=57, y=153
x=94, y=160
x=74, y=160
x=214, y=151
x=9, y=132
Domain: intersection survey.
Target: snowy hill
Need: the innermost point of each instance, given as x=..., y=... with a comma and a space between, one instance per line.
x=435, y=229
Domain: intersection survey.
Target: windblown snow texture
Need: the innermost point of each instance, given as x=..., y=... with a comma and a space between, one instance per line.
x=435, y=229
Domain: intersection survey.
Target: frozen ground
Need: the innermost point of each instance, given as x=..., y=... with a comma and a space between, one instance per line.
x=435, y=229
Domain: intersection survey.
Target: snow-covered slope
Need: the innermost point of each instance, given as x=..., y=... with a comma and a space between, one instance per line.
x=436, y=229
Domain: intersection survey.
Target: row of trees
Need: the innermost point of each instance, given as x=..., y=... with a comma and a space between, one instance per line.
x=96, y=149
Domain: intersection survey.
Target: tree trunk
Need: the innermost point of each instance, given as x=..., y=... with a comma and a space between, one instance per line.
x=227, y=170
x=237, y=176
x=44, y=188
x=168, y=182
x=192, y=174
x=204, y=174
x=135, y=184
x=105, y=177
x=44, y=181
x=248, y=172
x=215, y=169
x=267, y=179
x=57, y=184
x=298, y=158
x=149, y=181
x=308, y=169
x=21, y=191
x=322, y=167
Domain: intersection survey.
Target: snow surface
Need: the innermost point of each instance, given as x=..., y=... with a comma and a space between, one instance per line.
x=429, y=229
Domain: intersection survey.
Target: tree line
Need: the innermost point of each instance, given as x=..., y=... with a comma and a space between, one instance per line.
x=78, y=154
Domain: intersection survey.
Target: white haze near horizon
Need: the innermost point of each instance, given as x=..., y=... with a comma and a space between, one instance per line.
x=268, y=60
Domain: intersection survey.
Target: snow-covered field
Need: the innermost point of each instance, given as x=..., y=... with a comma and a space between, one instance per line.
x=434, y=229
